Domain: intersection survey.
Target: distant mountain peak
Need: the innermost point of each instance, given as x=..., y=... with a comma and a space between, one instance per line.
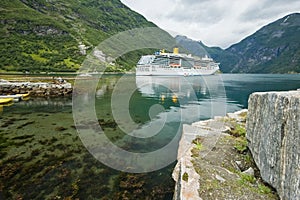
x=275, y=48
x=196, y=48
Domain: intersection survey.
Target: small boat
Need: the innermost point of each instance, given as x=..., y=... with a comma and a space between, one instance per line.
x=16, y=97
x=6, y=100
x=24, y=95
x=10, y=103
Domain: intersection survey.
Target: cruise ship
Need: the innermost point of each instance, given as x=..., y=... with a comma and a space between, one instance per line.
x=175, y=64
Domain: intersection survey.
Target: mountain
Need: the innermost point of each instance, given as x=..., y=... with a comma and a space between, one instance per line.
x=56, y=35
x=275, y=48
x=52, y=35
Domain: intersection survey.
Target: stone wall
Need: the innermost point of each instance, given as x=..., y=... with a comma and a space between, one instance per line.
x=36, y=89
x=273, y=135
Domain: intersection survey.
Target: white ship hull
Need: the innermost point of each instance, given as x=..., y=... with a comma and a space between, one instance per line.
x=157, y=71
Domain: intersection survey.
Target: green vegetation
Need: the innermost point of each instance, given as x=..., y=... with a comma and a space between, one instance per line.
x=241, y=144
x=224, y=173
x=198, y=146
x=257, y=186
x=238, y=130
x=45, y=164
x=263, y=189
x=185, y=177
x=43, y=36
x=246, y=179
x=198, y=142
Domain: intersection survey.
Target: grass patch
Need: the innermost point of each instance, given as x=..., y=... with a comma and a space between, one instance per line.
x=238, y=130
x=185, y=177
x=264, y=189
x=198, y=142
x=198, y=146
x=241, y=144
x=246, y=179
x=38, y=58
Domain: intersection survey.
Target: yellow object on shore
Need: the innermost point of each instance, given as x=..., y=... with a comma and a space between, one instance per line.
x=6, y=100
x=24, y=95
x=16, y=97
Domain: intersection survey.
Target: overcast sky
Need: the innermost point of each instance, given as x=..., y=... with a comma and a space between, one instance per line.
x=214, y=22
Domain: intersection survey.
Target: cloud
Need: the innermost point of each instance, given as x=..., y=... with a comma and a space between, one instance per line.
x=268, y=9
x=216, y=23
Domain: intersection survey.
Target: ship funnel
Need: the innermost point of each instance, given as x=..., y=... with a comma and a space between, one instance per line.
x=176, y=50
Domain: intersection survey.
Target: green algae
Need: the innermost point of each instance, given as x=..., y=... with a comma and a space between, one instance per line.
x=42, y=156
x=40, y=161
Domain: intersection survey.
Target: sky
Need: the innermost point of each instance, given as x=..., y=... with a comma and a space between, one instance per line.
x=214, y=22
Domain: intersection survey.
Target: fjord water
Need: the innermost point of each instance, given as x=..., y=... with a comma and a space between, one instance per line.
x=42, y=156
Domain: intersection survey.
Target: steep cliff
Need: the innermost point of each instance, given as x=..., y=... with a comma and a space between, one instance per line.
x=273, y=127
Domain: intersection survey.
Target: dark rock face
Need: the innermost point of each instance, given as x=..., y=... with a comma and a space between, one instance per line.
x=273, y=127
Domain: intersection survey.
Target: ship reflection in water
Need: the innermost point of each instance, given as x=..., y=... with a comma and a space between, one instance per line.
x=198, y=96
x=149, y=113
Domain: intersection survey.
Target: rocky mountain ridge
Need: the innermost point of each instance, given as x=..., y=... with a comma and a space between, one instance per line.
x=275, y=48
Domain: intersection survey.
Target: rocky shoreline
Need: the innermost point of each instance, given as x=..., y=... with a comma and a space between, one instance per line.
x=215, y=163
x=229, y=158
x=58, y=87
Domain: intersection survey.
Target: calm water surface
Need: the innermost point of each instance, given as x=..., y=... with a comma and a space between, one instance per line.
x=42, y=156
